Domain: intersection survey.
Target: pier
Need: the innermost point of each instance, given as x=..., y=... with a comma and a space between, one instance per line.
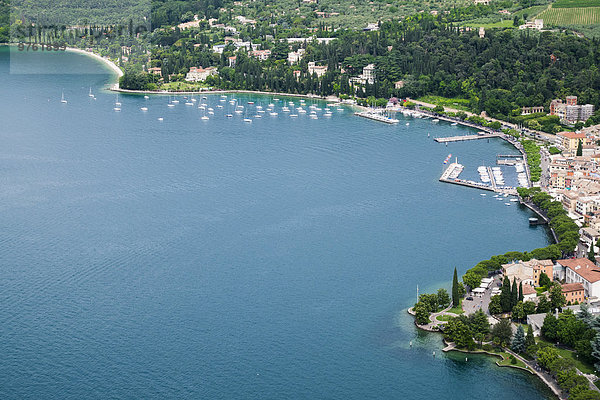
x=376, y=117
x=451, y=174
x=480, y=135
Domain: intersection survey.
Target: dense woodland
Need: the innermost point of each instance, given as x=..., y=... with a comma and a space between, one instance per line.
x=500, y=73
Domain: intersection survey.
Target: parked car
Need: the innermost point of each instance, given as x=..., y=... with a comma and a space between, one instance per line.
x=470, y=298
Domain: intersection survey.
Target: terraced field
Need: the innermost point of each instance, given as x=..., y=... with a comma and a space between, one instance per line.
x=571, y=16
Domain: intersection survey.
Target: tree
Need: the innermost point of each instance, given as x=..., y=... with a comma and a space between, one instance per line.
x=518, y=343
x=455, y=296
x=543, y=305
x=514, y=295
x=550, y=327
x=557, y=298
x=479, y=322
x=443, y=298
x=521, y=297
x=529, y=307
x=592, y=254
x=546, y=356
x=495, y=307
x=596, y=350
x=430, y=301
x=458, y=331
x=518, y=311
x=529, y=339
x=502, y=331
x=505, y=295
x=544, y=280
x=580, y=148
x=421, y=313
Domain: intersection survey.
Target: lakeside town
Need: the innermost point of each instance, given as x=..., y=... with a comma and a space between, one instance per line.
x=539, y=311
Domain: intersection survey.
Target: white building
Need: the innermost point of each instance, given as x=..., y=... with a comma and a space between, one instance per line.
x=262, y=55
x=317, y=69
x=295, y=56
x=583, y=271
x=535, y=24
x=200, y=74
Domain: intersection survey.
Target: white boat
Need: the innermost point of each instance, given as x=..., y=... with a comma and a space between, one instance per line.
x=340, y=109
x=219, y=106
x=250, y=102
x=204, y=118
x=408, y=123
x=293, y=115
x=247, y=120
x=435, y=120
x=210, y=109
x=274, y=114
x=285, y=109
x=454, y=123
x=327, y=114
x=175, y=101
x=201, y=108
x=507, y=204
x=62, y=98
x=238, y=111
x=204, y=97
x=258, y=116
x=91, y=94
x=211, y=113
x=514, y=200
x=117, y=108
x=170, y=105
x=144, y=108
x=160, y=118
x=482, y=194
x=229, y=115
x=223, y=96
x=314, y=116
x=146, y=97
x=301, y=111
x=189, y=103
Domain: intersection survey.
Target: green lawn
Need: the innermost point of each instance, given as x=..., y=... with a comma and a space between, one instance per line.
x=443, y=317
x=181, y=86
x=568, y=354
x=506, y=362
x=458, y=309
x=507, y=23
x=459, y=104
x=531, y=12
x=576, y=3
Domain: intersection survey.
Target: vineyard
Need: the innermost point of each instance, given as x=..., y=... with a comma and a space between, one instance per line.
x=575, y=3
x=571, y=16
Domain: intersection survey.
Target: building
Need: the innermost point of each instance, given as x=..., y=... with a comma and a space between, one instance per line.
x=520, y=271
x=367, y=76
x=532, y=110
x=483, y=2
x=232, y=60
x=200, y=74
x=539, y=267
x=155, y=71
x=481, y=32
x=573, y=292
x=295, y=56
x=535, y=24
x=529, y=293
x=584, y=271
x=316, y=69
x=262, y=55
x=371, y=27
x=569, y=111
x=243, y=20
x=570, y=140
x=399, y=84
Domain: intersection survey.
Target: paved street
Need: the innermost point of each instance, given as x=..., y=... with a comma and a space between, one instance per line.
x=470, y=306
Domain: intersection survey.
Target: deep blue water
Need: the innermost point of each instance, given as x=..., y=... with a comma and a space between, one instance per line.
x=224, y=260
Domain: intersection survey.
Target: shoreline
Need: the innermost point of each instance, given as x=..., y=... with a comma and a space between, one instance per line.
x=110, y=64
x=552, y=388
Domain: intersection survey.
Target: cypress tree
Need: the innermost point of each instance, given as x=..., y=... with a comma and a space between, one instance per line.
x=455, y=295
x=521, y=291
x=591, y=254
x=505, y=301
x=580, y=148
x=514, y=295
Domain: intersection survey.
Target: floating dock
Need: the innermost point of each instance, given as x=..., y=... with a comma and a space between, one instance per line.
x=377, y=117
x=452, y=173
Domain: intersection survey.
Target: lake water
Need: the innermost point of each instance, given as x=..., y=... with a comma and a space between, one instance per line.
x=224, y=260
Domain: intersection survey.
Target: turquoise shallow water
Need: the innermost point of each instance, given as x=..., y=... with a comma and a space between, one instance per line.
x=223, y=260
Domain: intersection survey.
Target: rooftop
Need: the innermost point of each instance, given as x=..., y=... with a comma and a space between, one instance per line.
x=583, y=267
x=570, y=287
